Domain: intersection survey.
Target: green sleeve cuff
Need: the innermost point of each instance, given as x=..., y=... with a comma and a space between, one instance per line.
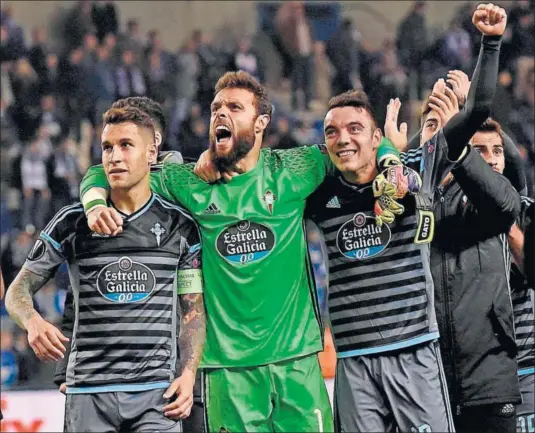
x=94, y=203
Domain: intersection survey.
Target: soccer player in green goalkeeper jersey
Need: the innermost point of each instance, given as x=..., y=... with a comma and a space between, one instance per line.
x=263, y=325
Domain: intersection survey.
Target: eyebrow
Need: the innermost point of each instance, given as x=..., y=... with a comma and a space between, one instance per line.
x=355, y=123
x=225, y=102
x=122, y=140
x=433, y=121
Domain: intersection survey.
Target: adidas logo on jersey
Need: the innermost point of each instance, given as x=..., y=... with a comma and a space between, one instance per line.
x=333, y=203
x=212, y=210
x=507, y=409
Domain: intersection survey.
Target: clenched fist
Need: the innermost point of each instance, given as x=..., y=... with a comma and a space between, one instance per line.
x=490, y=19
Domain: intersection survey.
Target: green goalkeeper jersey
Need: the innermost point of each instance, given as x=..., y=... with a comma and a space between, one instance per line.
x=260, y=296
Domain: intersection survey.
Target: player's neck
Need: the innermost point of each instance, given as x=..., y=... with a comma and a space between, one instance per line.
x=363, y=175
x=131, y=200
x=249, y=161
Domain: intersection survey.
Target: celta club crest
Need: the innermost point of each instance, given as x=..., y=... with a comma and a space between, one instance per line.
x=158, y=231
x=269, y=198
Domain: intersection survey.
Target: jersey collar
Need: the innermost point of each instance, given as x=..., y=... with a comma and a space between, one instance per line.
x=137, y=213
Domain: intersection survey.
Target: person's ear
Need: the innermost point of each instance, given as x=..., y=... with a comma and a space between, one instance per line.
x=153, y=153
x=262, y=123
x=376, y=138
x=158, y=137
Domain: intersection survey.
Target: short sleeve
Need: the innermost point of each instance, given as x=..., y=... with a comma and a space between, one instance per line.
x=48, y=252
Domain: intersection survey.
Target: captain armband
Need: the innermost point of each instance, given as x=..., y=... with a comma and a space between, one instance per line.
x=189, y=281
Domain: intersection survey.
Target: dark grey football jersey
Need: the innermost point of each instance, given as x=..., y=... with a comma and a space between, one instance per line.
x=381, y=293
x=125, y=293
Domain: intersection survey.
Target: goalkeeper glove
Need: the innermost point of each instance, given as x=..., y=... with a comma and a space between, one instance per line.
x=393, y=184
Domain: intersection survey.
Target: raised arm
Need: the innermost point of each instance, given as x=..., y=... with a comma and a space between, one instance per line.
x=491, y=21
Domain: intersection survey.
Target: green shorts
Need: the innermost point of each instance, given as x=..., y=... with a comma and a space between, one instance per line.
x=288, y=396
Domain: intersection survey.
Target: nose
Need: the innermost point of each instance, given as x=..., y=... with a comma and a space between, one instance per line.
x=343, y=138
x=115, y=156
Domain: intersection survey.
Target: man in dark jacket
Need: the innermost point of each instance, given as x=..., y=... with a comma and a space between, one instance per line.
x=474, y=210
x=489, y=142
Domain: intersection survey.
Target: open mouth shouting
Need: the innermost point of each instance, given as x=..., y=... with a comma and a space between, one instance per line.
x=223, y=134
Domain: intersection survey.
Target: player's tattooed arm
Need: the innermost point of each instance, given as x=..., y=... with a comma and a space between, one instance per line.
x=192, y=331
x=19, y=303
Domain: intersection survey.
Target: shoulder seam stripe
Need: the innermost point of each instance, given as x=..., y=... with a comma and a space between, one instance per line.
x=60, y=217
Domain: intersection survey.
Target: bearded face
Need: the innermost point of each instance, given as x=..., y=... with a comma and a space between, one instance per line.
x=232, y=126
x=230, y=146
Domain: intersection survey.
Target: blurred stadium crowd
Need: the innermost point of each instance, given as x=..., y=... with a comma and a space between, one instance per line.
x=55, y=86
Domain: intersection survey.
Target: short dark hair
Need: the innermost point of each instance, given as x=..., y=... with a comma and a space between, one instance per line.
x=353, y=98
x=115, y=116
x=491, y=125
x=147, y=105
x=244, y=80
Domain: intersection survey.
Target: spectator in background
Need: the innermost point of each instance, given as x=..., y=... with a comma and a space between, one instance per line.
x=283, y=139
x=74, y=89
x=503, y=99
x=412, y=43
x=79, y=22
x=14, y=35
x=102, y=82
x=343, y=52
x=193, y=134
x=159, y=67
x=131, y=39
x=245, y=59
x=8, y=129
x=187, y=76
x=456, y=47
x=19, y=248
x=104, y=17
x=296, y=35
x=110, y=42
x=63, y=175
x=305, y=133
x=522, y=23
x=43, y=61
x=90, y=51
x=129, y=77
x=6, y=89
x=35, y=186
x=49, y=81
x=6, y=227
x=212, y=66
x=25, y=85
x=522, y=125
x=96, y=147
x=388, y=76
x=39, y=51
x=48, y=118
